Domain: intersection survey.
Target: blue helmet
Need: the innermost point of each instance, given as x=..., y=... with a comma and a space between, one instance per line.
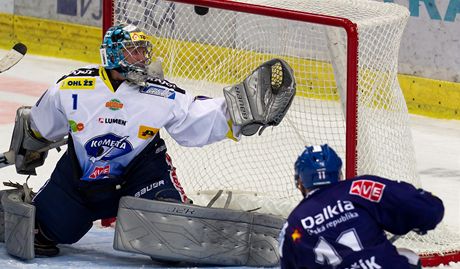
x=318, y=166
x=120, y=42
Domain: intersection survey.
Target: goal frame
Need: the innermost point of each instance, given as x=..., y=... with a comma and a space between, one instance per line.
x=352, y=56
x=352, y=53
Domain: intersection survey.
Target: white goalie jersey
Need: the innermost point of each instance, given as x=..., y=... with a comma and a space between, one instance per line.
x=109, y=128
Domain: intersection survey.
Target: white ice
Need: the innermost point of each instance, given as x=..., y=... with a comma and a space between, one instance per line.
x=437, y=148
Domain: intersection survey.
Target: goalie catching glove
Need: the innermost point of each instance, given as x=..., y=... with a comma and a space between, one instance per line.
x=263, y=98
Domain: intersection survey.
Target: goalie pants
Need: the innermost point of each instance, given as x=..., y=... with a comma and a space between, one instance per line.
x=66, y=206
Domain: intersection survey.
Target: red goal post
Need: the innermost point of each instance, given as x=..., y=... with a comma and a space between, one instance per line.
x=344, y=54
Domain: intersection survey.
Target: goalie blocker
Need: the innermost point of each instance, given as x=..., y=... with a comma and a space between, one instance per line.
x=27, y=150
x=263, y=98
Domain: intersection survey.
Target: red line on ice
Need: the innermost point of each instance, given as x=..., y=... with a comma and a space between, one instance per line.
x=16, y=85
x=21, y=86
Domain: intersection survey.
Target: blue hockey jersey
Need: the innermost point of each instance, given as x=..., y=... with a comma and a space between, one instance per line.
x=342, y=225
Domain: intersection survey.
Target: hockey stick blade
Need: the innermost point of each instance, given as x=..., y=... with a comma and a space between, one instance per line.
x=12, y=57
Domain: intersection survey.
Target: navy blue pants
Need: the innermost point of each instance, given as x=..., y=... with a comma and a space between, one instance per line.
x=67, y=206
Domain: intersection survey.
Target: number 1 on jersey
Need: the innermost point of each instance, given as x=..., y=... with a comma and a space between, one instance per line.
x=74, y=103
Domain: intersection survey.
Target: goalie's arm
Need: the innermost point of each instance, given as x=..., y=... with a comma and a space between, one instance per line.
x=199, y=121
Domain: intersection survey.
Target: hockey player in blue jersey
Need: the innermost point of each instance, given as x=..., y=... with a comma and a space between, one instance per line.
x=112, y=115
x=342, y=224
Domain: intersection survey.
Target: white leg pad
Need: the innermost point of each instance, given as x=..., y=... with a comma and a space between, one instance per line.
x=2, y=219
x=196, y=234
x=19, y=225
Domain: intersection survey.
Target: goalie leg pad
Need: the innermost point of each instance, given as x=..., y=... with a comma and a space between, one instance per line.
x=2, y=214
x=195, y=234
x=2, y=218
x=19, y=225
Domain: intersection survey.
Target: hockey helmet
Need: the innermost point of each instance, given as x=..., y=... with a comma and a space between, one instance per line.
x=121, y=48
x=318, y=166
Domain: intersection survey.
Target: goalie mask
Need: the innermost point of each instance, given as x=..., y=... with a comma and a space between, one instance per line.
x=126, y=49
x=318, y=166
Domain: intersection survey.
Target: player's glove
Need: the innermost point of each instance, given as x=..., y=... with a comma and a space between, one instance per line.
x=263, y=98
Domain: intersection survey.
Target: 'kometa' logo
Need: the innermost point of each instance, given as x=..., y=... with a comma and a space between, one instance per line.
x=107, y=147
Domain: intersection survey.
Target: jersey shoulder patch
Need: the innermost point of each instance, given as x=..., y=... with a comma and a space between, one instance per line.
x=161, y=88
x=79, y=79
x=368, y=189
x=165, y=83
x=82, y=72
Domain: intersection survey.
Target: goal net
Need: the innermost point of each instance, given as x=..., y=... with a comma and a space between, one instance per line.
x=344, y=54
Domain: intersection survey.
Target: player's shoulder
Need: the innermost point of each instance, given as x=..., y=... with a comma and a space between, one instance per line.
x=366, y=180
x=161, y=88
x=164, y=84
x=368, y=187
x=86, y=71
x=305, y=206
x=83, y=78
x=294, y=218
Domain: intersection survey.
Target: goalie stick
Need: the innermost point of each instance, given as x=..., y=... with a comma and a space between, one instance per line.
x=12, y=57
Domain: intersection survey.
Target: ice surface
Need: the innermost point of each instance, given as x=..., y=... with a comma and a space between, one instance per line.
x=437, y=147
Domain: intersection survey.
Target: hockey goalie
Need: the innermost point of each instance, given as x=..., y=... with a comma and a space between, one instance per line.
x=111, y=116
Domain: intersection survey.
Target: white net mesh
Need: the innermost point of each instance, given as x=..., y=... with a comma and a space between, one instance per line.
x=204, y=53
